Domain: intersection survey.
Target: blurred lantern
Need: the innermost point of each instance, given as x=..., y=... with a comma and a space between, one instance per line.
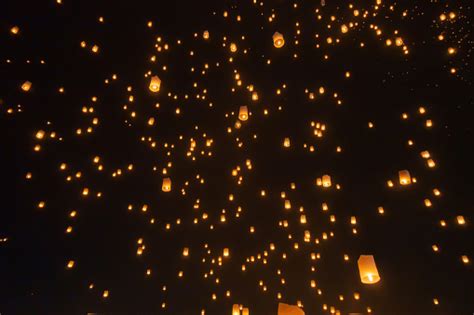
x=26, y=86
x=166, y=186
x=368, y=270
x=285, y=309
x=404, y=177
x=233, y=47
x=286, y=142
x=245, y=311
x=243, y=113
x=155, y=84
x=461, y=220
x=205, y=35
x=225, y=253
x=186, y=252
x=278, y=40
x=235, y=309
x=326, y=181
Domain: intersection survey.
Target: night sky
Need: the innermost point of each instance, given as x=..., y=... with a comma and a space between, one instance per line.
x=248, y=134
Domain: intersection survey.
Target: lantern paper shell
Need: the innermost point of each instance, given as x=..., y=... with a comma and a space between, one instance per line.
x=155, y=84
x=368, y=270
x=326, y=181
x=285, y=309
x=278, y=40
x=404, y=177
x=26, y=86
x=235, y=309
x=243, y=113
x=166, y=186
x=245, y=311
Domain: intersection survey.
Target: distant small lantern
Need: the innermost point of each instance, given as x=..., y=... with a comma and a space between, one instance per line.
x=235, y=309
x=186, y=252
x=278, y=40
x=404, y=177
x=26, y=86
x=326, y=181
x=225, y=252
x=205, y=35
x=155, y=84
x=286, y=142
x=460, y=219
x=166, y=186
x=287, y=204
x=368, y=270
x=233, y=47
x=243, y=113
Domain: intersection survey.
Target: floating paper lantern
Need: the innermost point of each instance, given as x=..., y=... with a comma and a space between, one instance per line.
x=205, y=35
x=286, y=142
x=368, y=270
x=245, y=311
x=404, y=177
x=225, y=252
x=460, y=219
x=26, y=86
x=166, y=186
x=15, y=30
x=186, y=252
x=155, y=84
x=278, y=40
x=235, y=309
x=243, y=113
x=287, y=204
x=286, y=309
x=326, y=181
x=233, y=47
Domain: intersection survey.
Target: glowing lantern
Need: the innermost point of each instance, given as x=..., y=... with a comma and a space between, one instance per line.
x=404, y=177
x=26, y=86
x=286, y=142
x=326, y=181
x=461, y=220
x=344, y=28
x=205, y=35
x=368, y=270
x=235, y=309
x=285, y=309
x=243, y=113
x=233, y=47
x=166, y=186
x=287, y=204
x=278, y=40
x=225, y=253
x=155, y=84
x=40, y=134
x=245, y=311
x=186, y=252
x=15, y=30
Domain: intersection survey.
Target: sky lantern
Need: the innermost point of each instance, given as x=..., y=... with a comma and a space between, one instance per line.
x=404, y=177
x=26, y=86
x=166, y=186
x=205, y=35
x=286, y=309
x=235, y=309
x=326, y=181
x=368, y=270
x=155, y=84
x=186, y=251
x=233, y=47
x=286, y=142
x=278, y=40
x=243, y=113
x=225, y=252
x=245, y=311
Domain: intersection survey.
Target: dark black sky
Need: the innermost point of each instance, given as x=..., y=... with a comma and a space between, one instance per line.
x=384, y=83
